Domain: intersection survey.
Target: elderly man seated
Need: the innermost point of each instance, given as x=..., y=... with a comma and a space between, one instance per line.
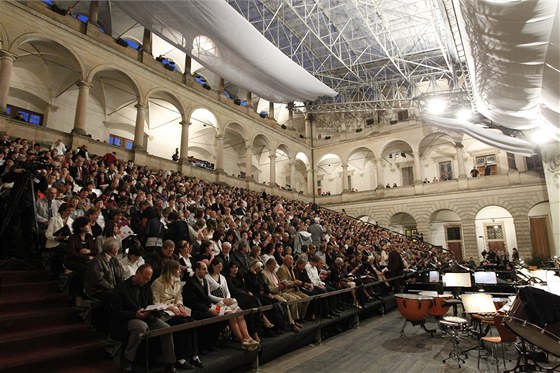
x=275, y=286
x=104, y=272
x=129, y=302
x=293, y=286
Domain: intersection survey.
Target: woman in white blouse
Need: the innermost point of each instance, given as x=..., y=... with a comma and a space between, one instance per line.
x=56, y=237
x=219, y=294
x=167, y=289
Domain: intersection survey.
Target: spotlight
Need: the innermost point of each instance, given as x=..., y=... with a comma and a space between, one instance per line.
x=403, y=155
x=436, y=106
x=391, y=155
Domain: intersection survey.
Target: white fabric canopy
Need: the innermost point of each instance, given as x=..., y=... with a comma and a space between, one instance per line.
x=488, y=136
x=507, y=45
x=244, y=56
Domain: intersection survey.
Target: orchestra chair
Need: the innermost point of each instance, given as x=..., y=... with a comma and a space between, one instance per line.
x=505, y=335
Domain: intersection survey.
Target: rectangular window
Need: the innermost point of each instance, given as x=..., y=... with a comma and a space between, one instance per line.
x=121, y=142
x=534, y=162
x=453, y=233
x=25, y=115
x=494, y=232
x=487, y=160
x=445, y=171
x=407, y=176
x=511, y=161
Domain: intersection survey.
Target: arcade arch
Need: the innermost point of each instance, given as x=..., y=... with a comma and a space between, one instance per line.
x=361, y=169
x=446, y=231
x=398, y=163
x=329, y=174
x=403, y=223
x=495, y=230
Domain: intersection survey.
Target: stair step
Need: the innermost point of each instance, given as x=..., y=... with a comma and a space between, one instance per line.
x=53, y=358
x=22, y=304
x=12, y=277
x=14, y=321
x=12, y=342
x=26, y=289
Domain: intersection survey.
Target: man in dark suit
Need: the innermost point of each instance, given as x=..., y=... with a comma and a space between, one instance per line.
x=241, y=257
x=226, y=254
x=130, y=299
x=195, y=296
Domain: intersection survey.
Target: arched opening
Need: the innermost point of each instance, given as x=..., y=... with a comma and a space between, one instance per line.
x=361, y=170
x=43, y=83
x=164, y=122
x=495, y=230
x=398, y=163
x=202, y=138
x=329, y=175
x=403, y=223
x=261, y=153
x=283, y=168
x=439, y=157
x=446, y=231
x=234, y=150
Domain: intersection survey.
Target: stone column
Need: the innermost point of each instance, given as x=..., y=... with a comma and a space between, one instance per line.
x=81, y=108
x=219, y=153
x=271, y=110
x=345, y=178
x=417, y=168
x=310, y=184
x=272, y=169
x=6, y=67
x=308, y=124
x=221, y=89
x=93, y=12
x=291, y=114
x=147, y=41
x=292, y=175
x=184, y=151
x=379, y=173
x=248, y=162
x=248, y=99
x=139, y=128
x=551, y=165
x=460, y=160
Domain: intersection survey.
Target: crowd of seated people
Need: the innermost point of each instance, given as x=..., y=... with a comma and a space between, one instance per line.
x=132, y=230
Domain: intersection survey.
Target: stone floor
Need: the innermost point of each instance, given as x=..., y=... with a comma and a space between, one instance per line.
x=376, y=346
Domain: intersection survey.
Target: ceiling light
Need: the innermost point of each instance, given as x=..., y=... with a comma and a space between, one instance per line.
x=436, y=106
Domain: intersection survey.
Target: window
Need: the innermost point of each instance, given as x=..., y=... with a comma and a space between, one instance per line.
x=490, y=160
x=511, y=161
x=494, y=232
x=407, y=176
x=25, y=115
x=453, y=233
x=534, y=162
x=121, y=142
x=445, y=171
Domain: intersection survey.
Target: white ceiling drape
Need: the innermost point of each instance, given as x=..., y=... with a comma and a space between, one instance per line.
x=245, y=57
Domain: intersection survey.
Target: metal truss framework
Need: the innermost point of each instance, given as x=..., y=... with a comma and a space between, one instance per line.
x=373, y=52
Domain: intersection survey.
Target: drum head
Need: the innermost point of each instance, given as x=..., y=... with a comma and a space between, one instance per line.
x=413, y=296
x=435, y=294
x=454, y=319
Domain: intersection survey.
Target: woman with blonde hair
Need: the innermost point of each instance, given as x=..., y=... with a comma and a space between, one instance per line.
x=167, y=289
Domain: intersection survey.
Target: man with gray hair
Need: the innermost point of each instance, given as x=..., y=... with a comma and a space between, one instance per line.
x=104, y=272
x=241, y=257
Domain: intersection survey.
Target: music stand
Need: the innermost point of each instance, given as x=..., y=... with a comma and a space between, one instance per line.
x=456, y=281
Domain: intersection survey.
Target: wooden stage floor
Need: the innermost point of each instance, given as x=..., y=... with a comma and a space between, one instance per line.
x=376, y=346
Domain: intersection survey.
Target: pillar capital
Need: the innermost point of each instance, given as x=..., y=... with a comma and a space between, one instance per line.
x=272, y=156
x=83, y=84
x=140, y=106
x=5, y=55
x=185, y=123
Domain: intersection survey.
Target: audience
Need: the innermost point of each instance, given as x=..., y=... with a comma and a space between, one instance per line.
x=205, y=224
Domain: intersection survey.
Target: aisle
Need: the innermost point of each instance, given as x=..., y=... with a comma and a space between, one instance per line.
x=376, y=346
